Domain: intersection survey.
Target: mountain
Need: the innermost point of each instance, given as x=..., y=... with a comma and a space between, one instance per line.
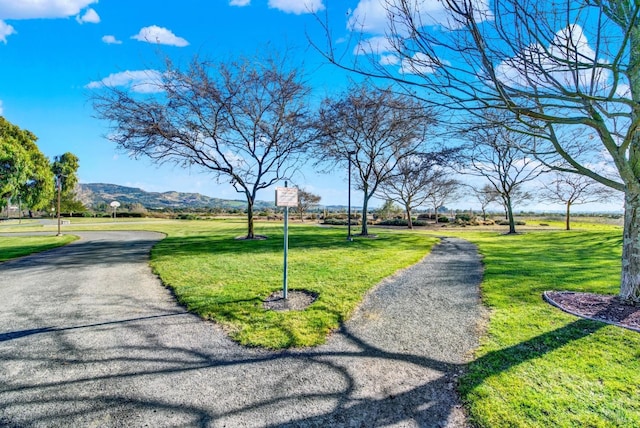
x=92, y=194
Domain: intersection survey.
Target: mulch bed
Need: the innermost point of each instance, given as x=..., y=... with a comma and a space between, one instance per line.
x=296, y=300
x=598, y=307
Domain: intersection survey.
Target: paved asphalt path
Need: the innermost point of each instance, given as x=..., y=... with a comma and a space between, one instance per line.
x=90, y=338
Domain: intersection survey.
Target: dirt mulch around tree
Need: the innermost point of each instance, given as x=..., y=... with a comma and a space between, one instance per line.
x=599, y=307
x=296, y=300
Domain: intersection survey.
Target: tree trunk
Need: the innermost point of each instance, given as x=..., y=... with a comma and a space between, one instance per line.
x=250, y=233
x=512, y=222
x=568, y=216
x=365, y=227
x=409, y=222
x=630, y=281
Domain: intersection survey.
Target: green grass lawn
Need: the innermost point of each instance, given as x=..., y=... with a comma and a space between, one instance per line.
x=226, y=280
x=540, y=367
x=536, y=366
x=18, y=246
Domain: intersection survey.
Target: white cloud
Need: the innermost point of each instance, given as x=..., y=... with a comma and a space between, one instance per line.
x=141, y=81
x=375, y=45
x=420, y=63
x=163, y=36
x=1, y=108
x=297, y=7
x=90, y=16
x=5, y=31
x=389, y=60
x=239, y=2
x=371, y=16
x=111, y=40
x=569, y=62
x=31, y=9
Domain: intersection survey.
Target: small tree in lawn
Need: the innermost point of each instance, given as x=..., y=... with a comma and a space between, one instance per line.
x=389, y=210
x=245, y=121
x=495, y=154
x=441, y=189
x=413, y=184
x=306, y=200
x=485, y=195
x=573, y=189
x=64, y=170
x=379, y=128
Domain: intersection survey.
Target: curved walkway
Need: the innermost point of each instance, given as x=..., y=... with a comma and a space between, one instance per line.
x=89, y=337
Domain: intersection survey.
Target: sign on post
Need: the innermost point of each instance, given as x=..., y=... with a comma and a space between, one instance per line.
x=286, y=196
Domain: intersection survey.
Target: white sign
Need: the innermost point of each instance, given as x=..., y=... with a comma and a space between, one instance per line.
x=286, y=196
x=115, y=204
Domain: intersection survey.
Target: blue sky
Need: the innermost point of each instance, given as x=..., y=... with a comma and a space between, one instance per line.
x=52, y=52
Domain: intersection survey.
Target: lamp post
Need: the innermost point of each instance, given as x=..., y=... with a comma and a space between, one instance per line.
x=349, y=238
x=59, y=185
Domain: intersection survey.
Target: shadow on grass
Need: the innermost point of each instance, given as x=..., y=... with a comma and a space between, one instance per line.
x=496, y=362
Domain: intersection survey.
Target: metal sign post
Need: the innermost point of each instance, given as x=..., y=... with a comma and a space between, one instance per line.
x=286, y=197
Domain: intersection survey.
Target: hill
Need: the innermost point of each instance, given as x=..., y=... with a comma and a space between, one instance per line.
x=93, y=194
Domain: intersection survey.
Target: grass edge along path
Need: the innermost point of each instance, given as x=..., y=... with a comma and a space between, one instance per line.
x=538, y=366
x=226, y=280
x=12, y=247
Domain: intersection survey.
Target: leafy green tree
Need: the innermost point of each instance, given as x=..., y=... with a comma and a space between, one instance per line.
x=65, y=168
x=389, y=210
x=25, y=176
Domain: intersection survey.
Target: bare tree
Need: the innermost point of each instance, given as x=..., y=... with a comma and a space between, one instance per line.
x=574, y=189
x=563, y=69
x=485, y=195
x=495, y=153
x=379, y=128
x=306, y=200
x=440, y=189
x=244, y=121
x=411, y=187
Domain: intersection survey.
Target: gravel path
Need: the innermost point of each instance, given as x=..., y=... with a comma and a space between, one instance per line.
x=88, y=337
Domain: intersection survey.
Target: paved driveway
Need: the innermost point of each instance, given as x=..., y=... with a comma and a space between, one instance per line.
x=89, y=337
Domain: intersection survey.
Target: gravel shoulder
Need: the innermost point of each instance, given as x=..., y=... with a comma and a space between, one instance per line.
x=89, y=337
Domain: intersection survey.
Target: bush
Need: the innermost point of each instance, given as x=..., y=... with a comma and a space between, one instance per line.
x=463, y=217
x=443, y=219
x=188, y=217
x=402, y=222
x=506, y=222
x=130, y=215
x=340, y=222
